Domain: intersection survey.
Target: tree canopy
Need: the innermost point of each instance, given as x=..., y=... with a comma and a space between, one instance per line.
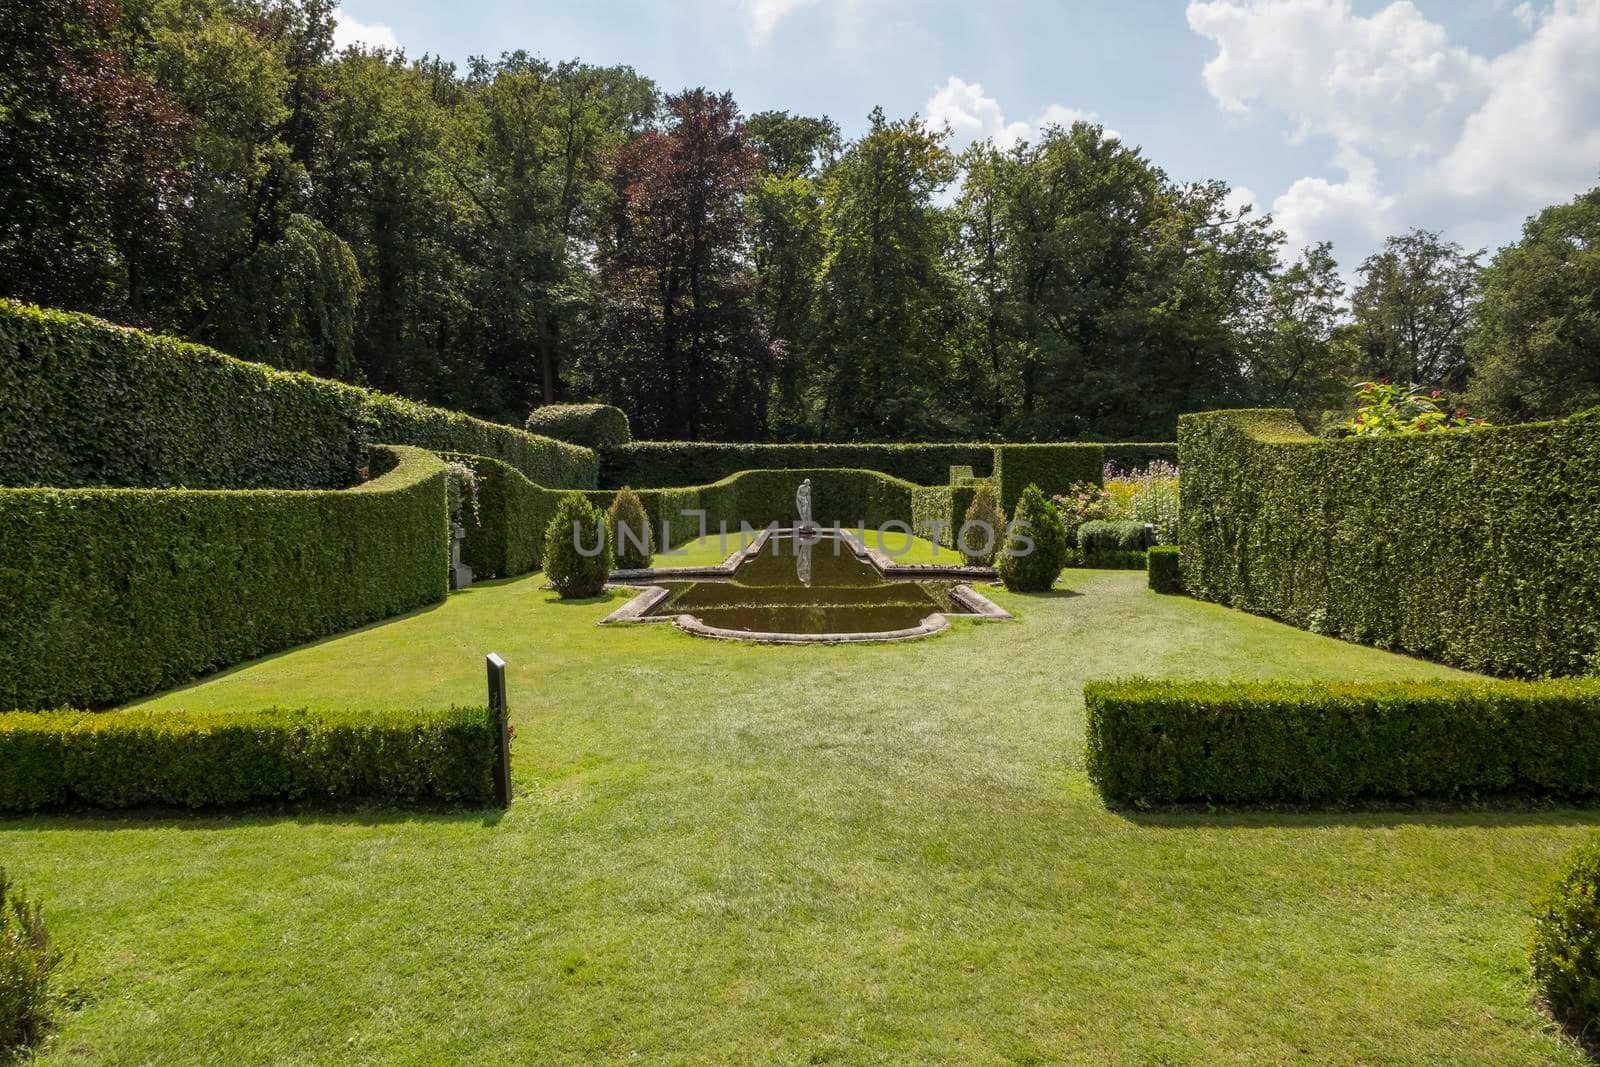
x=522, y=232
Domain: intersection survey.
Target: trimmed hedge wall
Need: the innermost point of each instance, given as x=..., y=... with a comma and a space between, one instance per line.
x=115, y=593
x=507, y=536
x=552, y=464
x=943, y=504
x=589, y=425
x=1478, y=548
x=652, y=464
x=1136, y=455
x=1053, y=468
x=83, y=402
x=1254, y=742
x=86, y=403
x=194, y=760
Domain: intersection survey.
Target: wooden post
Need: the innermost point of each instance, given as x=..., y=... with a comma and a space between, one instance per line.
x=502, y=726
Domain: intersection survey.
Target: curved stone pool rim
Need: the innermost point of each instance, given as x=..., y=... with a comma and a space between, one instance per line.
x=637, y=609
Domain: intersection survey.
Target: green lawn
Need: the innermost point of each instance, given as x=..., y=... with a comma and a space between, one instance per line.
x=724, y=853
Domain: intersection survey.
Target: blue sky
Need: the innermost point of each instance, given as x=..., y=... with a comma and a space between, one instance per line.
x=1347, y=120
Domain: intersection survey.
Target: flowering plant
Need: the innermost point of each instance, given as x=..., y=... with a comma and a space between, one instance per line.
x=1384, y=409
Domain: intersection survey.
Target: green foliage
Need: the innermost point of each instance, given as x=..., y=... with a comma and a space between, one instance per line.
x=1053, y=468
x=1413, y=310
x=1165, y=573
x=113, y=593
x=1134, y=455
x=506, y=535
x=1260, y=742
x=661, y=463
x=961, y=473
x=1083, y=503
x=1156, y=501
x=1036, y=545
x=628, y=526
x=982, y=527
x=1099, y=536
x=83, y=402
x=1381, y=408
x=56, y=759
x=1566, y=939
x=28, y=960
x=1298, y=351
x=552, y=464
x=1483, y=541
x=1533, y=352
x=594, y=426
x=577, y=522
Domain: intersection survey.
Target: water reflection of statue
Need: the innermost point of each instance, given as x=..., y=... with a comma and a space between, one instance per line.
x=802, y=559
x=802, y=501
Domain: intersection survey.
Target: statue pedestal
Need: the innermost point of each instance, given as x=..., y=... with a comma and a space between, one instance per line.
x=460, y=573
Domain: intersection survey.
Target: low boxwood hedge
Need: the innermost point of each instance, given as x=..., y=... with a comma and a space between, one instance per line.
x=1162, y=561
x=115, y=593
x=589, y=425
x=1163, y=742
x=86, y=403
x=67, y=759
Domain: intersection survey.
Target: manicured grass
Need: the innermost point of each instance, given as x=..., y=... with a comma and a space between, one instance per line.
x=727, y=853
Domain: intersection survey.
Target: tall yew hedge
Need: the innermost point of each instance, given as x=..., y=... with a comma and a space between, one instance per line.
x=115, y=593
x=86, y=403
x=1479, y=548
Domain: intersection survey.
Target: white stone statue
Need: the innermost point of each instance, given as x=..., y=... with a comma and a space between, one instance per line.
x=802, y=561
x=802, y=501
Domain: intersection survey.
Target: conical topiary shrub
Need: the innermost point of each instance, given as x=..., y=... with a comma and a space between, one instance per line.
x=629, y=527
x=983, y=530
x=1036, y=545
x=577, y=524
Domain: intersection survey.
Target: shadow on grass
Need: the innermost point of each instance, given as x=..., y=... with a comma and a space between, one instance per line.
x=352, y=813
x=1509, y=812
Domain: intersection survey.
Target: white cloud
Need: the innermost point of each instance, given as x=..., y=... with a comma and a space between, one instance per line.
x=348, y=31
x=972, y=114
x=765, y=15
x=1537, y=135
x=1425, y=131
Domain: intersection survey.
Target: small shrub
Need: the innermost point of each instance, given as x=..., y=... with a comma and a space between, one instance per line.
x=28, y=961
x=1163, y=564
x=982, y=528
x=1566, y=938
x=1036, y=545
x=1085, y=502
x=629, y=528
x=1105, y=538
x=574, y=574
x=1382, y=408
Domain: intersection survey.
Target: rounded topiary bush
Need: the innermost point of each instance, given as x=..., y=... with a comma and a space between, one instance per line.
x=577, y=524
x=28, y=961
x=1566, y=938
x=983, y=529
x=589, y=425
x=629, y=527
x=1036, y=545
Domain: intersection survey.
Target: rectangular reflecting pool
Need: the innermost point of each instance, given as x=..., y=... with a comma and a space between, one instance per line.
x=808, y=585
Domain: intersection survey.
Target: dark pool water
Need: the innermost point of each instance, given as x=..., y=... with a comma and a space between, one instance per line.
x=809, y=586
